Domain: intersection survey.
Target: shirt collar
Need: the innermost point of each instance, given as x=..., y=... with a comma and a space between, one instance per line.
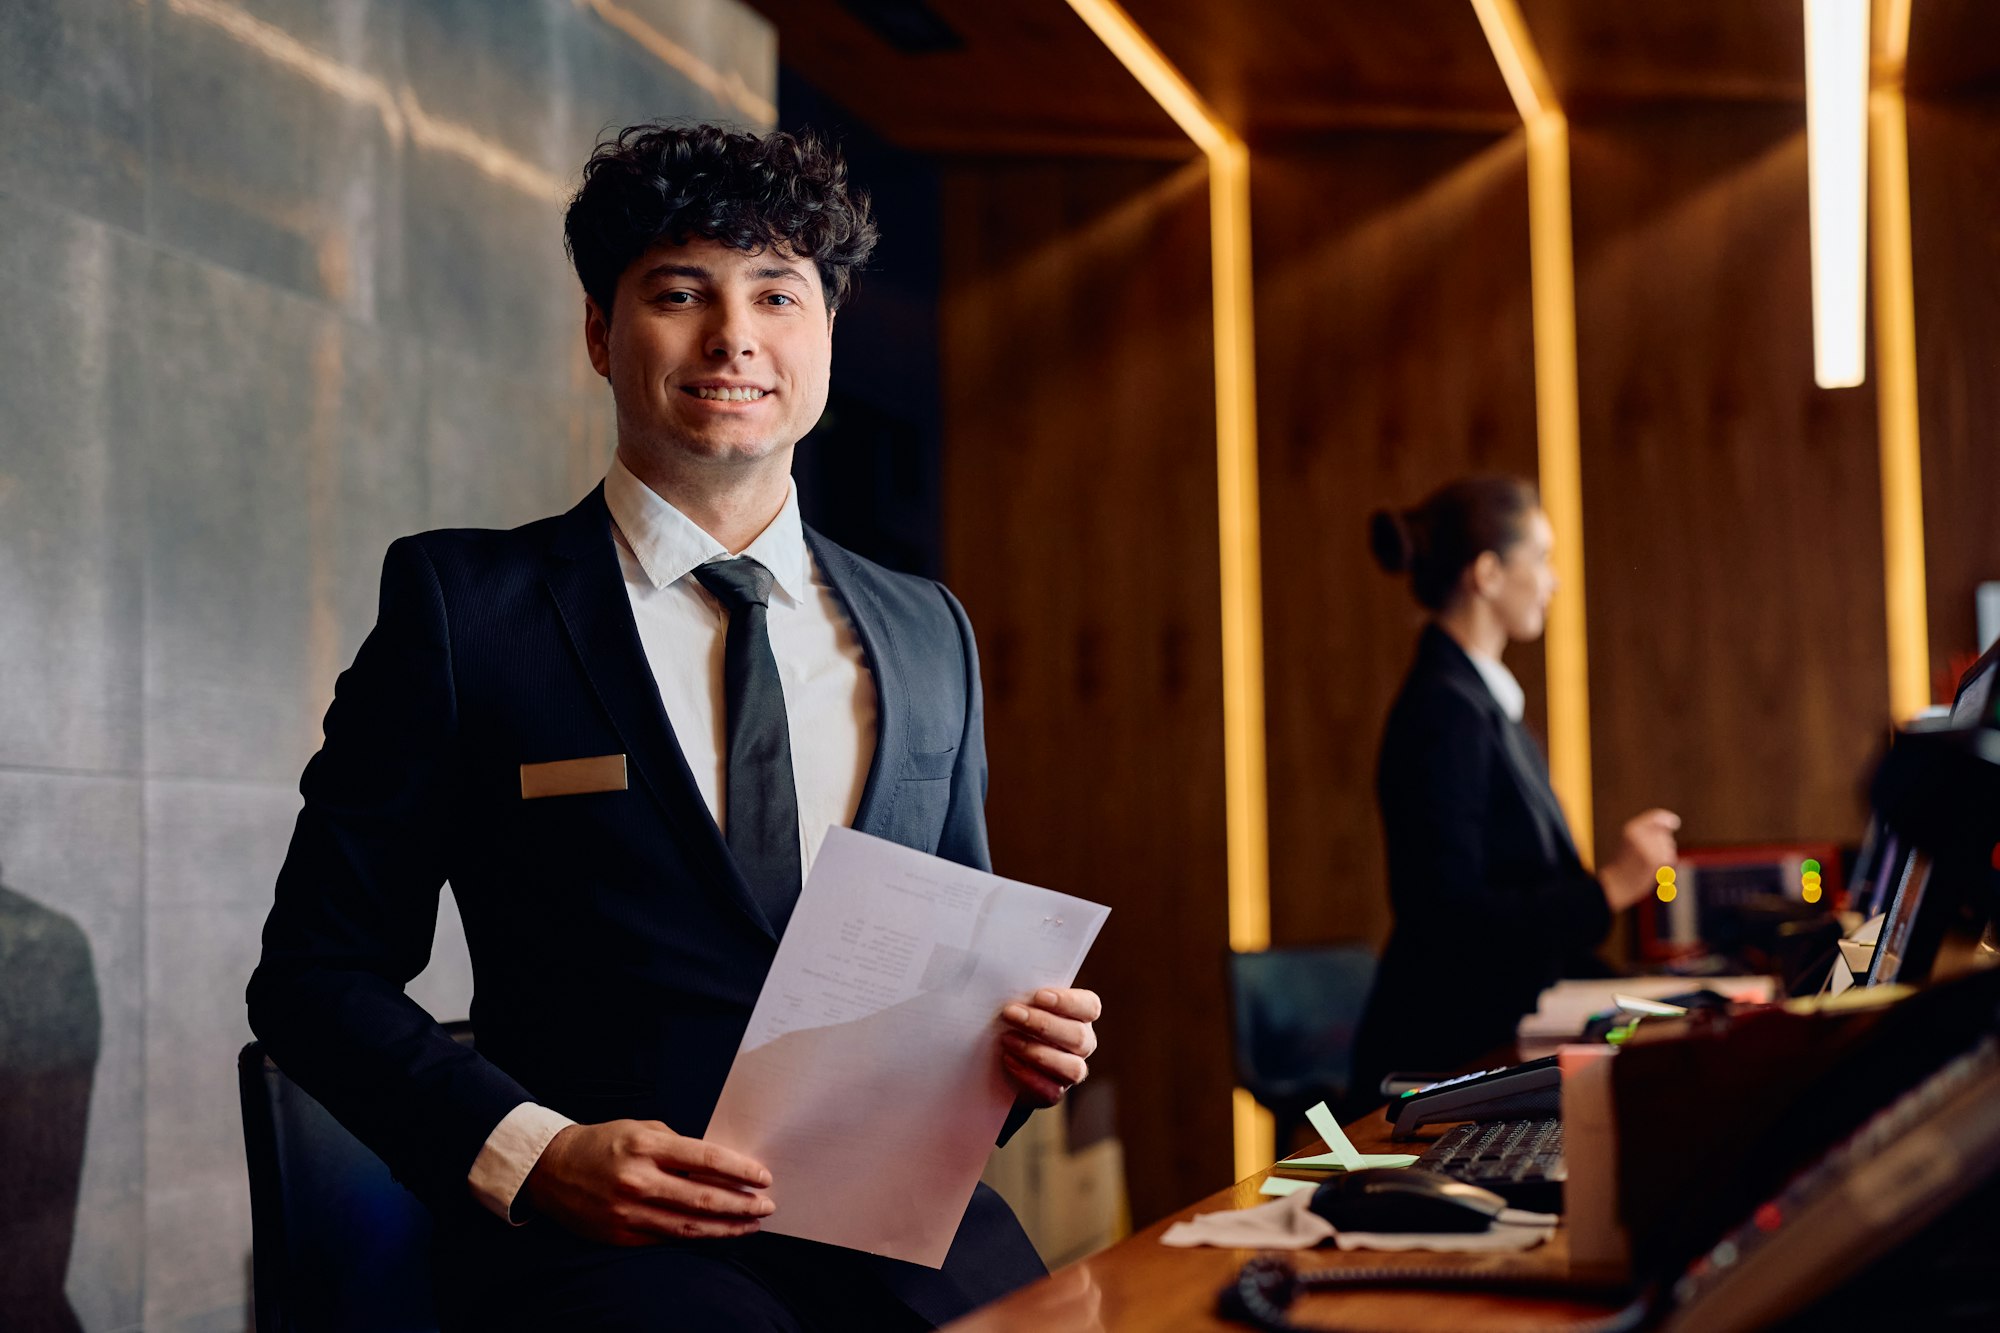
x=668, y=544
x=1507, y=691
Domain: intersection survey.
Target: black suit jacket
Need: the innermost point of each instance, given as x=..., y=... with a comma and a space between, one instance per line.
x=1491, y=902
x=616, y=950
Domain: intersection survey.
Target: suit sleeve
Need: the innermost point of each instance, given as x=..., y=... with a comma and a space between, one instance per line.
x=964, y=837
x=356, y=905
x=1436, y=775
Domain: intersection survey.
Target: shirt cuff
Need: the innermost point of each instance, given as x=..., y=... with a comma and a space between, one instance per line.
x=509, y=1154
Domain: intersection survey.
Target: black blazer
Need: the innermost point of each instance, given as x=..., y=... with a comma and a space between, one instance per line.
x=1491, y=902
x=616, y=950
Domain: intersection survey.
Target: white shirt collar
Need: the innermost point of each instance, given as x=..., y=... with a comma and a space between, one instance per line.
x=1507, y=691
x=668, y=544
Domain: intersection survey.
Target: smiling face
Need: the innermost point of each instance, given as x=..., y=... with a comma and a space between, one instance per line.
x=716, y=358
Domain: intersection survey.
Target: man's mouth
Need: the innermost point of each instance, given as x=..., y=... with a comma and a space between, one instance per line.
x=721, y=395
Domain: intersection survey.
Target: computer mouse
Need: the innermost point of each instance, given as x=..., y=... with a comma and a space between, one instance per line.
x=1396, y=1199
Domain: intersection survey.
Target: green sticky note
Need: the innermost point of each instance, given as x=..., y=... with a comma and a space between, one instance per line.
x=1278, y=1185
x=1343, y=1157
x=1359, y=1162
x=1328, y=1129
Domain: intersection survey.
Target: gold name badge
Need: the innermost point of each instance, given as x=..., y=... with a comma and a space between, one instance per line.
x=573, y=777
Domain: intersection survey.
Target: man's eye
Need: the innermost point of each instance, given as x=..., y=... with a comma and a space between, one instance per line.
x=779, y=298
x=674, y=298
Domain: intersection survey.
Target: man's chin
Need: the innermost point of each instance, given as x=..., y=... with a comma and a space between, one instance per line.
x=721, y=451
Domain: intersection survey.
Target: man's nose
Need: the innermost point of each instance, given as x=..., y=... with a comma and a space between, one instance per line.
x=730, y=336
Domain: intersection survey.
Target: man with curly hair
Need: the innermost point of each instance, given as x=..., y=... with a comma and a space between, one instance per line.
x=621, y=734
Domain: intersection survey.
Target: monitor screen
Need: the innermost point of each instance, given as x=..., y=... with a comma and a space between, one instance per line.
x=1875, y=869
x=1975, y=704
x=1894, y=943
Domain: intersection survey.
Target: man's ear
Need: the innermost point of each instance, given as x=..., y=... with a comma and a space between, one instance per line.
x=597, y=337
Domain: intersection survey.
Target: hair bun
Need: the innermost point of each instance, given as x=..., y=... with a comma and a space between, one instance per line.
x=1389, y=539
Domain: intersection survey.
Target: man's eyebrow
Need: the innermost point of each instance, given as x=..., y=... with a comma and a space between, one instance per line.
x=702, y=274
x=677, y=271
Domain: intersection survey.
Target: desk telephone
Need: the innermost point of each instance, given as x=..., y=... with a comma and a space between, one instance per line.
x=1907, y=1166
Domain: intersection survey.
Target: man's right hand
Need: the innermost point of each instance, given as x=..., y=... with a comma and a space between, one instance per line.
x=1646, y=843
x=634, y=1182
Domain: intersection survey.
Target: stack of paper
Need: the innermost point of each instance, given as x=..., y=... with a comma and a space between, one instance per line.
x=1564, y=1008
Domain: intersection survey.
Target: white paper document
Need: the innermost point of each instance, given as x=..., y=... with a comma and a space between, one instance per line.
x=1565, y=1008
x=869, y=1080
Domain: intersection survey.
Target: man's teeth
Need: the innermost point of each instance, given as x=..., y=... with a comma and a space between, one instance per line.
x=729, y=395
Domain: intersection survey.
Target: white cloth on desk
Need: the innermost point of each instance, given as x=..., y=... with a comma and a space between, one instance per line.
x=1290, y=1224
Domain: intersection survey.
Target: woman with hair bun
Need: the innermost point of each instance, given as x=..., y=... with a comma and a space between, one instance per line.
x=1491, y=901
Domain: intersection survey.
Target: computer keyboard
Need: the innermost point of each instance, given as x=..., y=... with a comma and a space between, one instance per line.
x=1520, y=1160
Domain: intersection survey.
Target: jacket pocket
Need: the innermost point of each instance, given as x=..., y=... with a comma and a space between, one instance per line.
x=919, y=765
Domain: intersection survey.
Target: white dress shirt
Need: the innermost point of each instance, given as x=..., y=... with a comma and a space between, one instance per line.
x=829, y=705
x=1507, y=691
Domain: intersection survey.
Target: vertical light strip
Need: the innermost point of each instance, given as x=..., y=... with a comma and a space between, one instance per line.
x=1837, y=165
x=1559, y=437
x=1904, y=594
x=1236, y=498
x=1566, y=648
x=1242, y=577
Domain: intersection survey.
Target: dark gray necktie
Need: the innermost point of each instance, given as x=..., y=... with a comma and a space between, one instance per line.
x=762, y=804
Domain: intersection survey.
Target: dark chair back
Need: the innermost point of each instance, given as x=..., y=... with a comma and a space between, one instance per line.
x=336, y=1243
x=1293, y=1014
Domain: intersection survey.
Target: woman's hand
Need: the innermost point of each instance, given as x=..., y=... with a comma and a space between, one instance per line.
x=1645, y=844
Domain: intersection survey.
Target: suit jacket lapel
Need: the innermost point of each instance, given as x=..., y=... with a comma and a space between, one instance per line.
x=871, y=625
x=1526, y=762
x=589, y=592
x=1523, y=760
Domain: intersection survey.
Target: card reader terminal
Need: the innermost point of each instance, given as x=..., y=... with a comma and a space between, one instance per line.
x=1517, y=1092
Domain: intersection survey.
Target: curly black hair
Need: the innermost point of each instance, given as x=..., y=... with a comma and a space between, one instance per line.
x=659, y=181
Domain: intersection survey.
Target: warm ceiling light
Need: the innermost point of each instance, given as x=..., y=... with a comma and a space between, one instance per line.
x=1837, y=167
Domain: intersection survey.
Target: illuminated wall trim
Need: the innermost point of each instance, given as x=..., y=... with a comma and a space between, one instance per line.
x=1552, y=275
x=1904, y=596
x=1236, y=499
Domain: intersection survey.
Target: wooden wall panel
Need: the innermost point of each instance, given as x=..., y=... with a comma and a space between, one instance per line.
x=1732, y=510
x=1711, y=50
x=1395, y=352
x=1954, y=204
x=1287, y=68
x=1080, y=521
x=1954, y=47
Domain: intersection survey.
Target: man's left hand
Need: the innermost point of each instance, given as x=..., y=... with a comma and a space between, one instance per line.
x=1048, y=1042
